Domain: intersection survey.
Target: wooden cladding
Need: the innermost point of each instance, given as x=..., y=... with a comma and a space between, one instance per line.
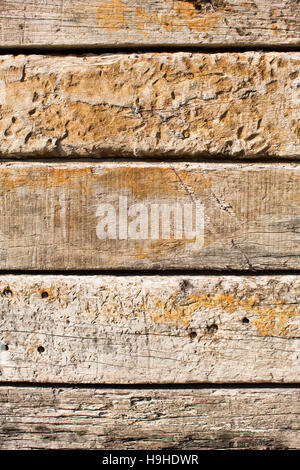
x=115, y=356
x=149, y=329
x=70, y=216
x=136, y=23
x=187, y=418
x=231, y=105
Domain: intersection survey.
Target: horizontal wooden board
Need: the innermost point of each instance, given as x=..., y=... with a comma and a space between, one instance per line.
x=230, y=105
x=125, y=23
x=104, y=216
x=93, y=418
x=149, y=329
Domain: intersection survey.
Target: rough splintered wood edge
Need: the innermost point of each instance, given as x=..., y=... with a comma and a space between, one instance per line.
x=53, y=216
x=149, y=329
x=93, y=418
x=154, y=105
x=125, y=23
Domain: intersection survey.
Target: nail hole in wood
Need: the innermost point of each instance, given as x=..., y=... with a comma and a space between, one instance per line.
x=7, y=292
x=192, y=334
x=212, y=328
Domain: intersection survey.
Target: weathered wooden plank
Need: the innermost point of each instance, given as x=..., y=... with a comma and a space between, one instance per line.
x=139, y=216
x=149, y=329
x=87, y=418
x=123, y=23
x=233, y=105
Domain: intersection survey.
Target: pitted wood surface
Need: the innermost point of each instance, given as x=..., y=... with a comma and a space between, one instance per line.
x=231, y=105
x=125, y=23
x=53, y=216
x=149, y=329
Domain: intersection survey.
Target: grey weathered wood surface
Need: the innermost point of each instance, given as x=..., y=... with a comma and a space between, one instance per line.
x=93, y=418
x=49, y=221
x=149, y=329
x=123, y=23
x=231, y=105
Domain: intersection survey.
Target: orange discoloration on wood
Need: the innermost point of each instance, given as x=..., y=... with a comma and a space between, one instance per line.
x=273, y=320
x=158, y=182
x=110, y=15
x=141, y=18
x=141, y=184
x=73, y=178
x=149, y=329
x=162, y=104
x=47, y=293
x=250, y=215
x=181, y=14
x=114, y=23
x=274, y=29
x=137, y=183
x=187, y=14
x=178, y=309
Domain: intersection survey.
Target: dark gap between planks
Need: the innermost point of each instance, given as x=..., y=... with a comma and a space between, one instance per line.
x=152, y=272
x=151, y=386
x=78, y=50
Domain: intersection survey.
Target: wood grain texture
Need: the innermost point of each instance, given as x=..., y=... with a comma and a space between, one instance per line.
x=125, y=23
x=231, y=105
x=87, y=418
x=150, y=329
x=50, y=215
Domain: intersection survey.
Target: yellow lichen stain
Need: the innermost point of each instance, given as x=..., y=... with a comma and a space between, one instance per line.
x=176, y=310
x=45, y=178
x=157, y=182
x=110, y=15
x=141, y=183
x=187, y=14
x=179, y=14
x=141, y=19
x=273, y=320
x=274, y=29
